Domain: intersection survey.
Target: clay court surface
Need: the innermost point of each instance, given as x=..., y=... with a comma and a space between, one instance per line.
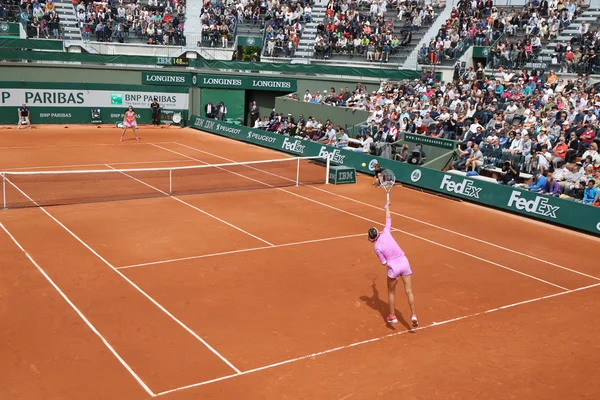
x=275, y=293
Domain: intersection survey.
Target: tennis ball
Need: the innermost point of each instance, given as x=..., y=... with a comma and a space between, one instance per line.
x=364, y=164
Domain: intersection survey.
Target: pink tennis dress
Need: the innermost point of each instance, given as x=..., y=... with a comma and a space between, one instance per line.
x=391, y=254
x=129, y=119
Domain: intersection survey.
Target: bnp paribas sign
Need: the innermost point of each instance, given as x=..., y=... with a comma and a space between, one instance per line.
x=166, y=79
x=245, y=82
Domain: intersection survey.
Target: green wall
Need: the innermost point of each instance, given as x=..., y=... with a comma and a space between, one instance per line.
x=233, y=100
x=65, y=73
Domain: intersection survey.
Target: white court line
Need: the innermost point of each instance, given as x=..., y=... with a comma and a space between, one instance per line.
x=74, y=307
x=240, y=251
x=146, y=295
x=75, y=145
x=93, y=165
x=465, y=236
x=192, y=206
x=336, y=349
x=420, y=221
x=395, y=229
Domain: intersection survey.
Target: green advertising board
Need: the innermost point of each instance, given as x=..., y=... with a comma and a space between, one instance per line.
x=9, y=29
x=166, y=78
x=340, y=174
x=481, y=51
x=430, y=141
x=250, y=41
x=64, y=103
x=551, y=209
x=245, y=82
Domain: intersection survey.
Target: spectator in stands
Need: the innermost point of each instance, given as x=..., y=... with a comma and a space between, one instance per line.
x=539, y=182
x=510, y=173
x=159, y=23
x=475, y=160
x=591, y=193
x=551, y=188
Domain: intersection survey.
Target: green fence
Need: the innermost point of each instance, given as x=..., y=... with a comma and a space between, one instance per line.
x=550, y=209
x=288, y=69
x=9, y=28
x=32, y=44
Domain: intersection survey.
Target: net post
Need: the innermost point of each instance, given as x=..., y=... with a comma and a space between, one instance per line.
x=327, y=170
x=298, y=173
x=170, y=181
x=4, y=190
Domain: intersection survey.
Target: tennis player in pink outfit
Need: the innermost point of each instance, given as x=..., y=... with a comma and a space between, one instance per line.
x=129, y=121
x=392, y=256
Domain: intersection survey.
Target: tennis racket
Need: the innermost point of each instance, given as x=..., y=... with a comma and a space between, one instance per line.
x=387, y=180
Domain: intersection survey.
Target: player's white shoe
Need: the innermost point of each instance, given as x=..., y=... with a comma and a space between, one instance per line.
x=391, y=319
x=415, y=322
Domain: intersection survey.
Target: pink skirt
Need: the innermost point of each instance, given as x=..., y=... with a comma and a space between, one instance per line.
x=129, y=124
x=398, y=267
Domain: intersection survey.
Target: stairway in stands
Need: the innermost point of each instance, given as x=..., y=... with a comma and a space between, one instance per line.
x=309, y=33
x=590, y=15
x=68, y=20
x=249, y=29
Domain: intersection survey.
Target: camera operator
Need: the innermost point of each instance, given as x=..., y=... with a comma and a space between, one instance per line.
x=510, y=173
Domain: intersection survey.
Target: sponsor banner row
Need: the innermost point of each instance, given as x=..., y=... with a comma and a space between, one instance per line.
x=90, y=98
x=79, y=115
x=551, y=209
x=219, y=81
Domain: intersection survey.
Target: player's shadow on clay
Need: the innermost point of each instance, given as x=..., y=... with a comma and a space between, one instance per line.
x=382, y=306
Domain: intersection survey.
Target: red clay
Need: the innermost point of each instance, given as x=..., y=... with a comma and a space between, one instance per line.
x=266, y=306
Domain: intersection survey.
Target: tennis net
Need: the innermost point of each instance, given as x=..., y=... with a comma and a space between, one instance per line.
x=49, y=188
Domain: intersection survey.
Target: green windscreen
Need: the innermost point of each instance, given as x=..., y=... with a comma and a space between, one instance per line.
x=234, y=100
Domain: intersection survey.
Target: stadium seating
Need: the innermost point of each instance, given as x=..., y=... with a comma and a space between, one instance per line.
x=371, y=32
x=560, y=47
x=147, y=22
x=40, y=19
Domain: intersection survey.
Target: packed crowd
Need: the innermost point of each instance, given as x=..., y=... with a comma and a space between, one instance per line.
x=469, y=23
x=581, y=54
x=329, y=133
x=515, y=122
x=527, y=29
x=529, y=122
x=9, y=10
x=39, y=17
x=154, y=23
x=219, y=22
x=369, y=32
x=283, y=26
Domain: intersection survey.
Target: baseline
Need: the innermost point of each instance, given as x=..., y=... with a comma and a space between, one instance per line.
x=336, y=349
x=93, y=165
